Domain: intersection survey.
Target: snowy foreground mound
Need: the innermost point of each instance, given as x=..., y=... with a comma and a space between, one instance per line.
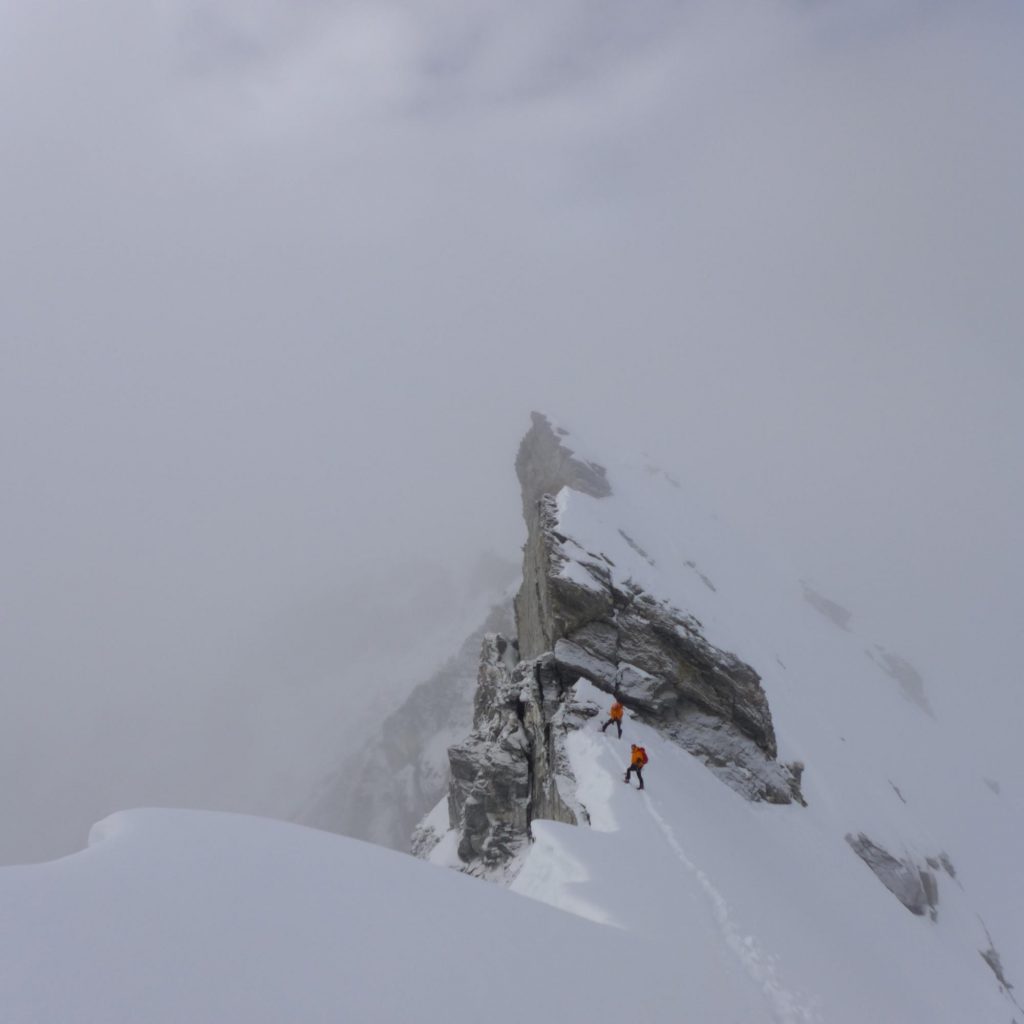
x=183, y=916
x=173, y=916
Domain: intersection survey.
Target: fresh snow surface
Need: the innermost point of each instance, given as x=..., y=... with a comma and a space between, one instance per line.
x=778, y=888
x=767, y=903
x=681, y=903
x=191, y=916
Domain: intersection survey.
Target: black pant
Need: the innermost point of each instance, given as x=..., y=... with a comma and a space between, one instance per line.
x=638, y=768
x=618, y=725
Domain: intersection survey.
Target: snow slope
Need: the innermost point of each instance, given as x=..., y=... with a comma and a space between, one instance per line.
x=770, y=893
x=173, y=916
x=888, y=752
x=771, y=904
x=684, y=902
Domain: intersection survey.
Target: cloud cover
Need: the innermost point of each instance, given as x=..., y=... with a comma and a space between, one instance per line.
x=282, y=281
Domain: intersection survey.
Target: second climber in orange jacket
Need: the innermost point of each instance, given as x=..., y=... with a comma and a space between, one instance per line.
x=615, y=715
x=636, y=764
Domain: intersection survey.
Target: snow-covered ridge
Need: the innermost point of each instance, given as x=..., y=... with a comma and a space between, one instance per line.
x=683, y=902
x=881, y=774
x=589, y=620
x=175, y=916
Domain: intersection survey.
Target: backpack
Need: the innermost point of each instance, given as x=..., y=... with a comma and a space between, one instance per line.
x=643, y=755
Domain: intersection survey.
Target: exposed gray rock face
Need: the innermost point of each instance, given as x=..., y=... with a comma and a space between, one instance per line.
x=992, y=958
x=657, y=658
x=626, y=642
x=574, y=620
x=544, y=466
x=995, y=963
x=692, y=691
x=914, y=886
x=382, y=792
x=513, y=767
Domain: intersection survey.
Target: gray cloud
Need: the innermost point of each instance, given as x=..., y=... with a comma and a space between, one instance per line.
x=282, y=281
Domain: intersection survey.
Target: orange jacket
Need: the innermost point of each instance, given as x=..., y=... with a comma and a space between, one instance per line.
x=616, y=712
x=638, y=756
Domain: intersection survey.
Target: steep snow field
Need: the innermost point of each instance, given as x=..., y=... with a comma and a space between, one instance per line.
x=905, y=757
x=781, y=918
x=770, y=898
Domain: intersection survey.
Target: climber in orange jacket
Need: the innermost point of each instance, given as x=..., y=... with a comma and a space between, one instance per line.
x=615, y=715
x=636, y=764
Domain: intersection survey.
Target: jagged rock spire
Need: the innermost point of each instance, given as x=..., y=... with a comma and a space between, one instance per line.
x=576, y=617
x=573, y=604
x=545, y=464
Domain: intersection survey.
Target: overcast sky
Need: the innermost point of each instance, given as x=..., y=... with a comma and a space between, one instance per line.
x=280, y=283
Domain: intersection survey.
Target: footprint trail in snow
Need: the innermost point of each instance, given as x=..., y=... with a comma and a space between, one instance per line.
x=787, y=1007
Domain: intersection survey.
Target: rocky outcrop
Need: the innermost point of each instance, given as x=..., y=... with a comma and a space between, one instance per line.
x=653, y=656
x=545, y=608
x=513, y=767
x=657, y=659
x=914, y=885
x=995, y=965
x=576, y=620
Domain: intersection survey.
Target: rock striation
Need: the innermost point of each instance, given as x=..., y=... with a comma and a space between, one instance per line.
x=513, y=767
x=629, y=643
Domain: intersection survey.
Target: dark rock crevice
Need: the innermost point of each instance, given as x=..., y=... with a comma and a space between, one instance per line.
x=511, y=769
